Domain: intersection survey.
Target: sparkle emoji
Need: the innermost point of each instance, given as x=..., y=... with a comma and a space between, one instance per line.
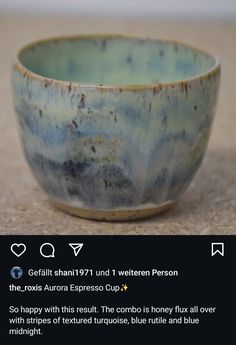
x=124, y=287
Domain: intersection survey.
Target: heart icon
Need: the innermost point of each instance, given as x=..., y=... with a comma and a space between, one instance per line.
x=18, y=249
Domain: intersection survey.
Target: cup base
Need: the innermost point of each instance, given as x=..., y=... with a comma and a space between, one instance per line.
x=114, y=215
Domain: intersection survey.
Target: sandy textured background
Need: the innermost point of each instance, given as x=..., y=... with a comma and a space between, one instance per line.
x=209, y=204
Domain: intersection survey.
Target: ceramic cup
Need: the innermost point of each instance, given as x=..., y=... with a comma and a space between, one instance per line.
x=114, y=127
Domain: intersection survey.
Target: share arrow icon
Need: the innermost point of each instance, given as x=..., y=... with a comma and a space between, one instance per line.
x=76, y=247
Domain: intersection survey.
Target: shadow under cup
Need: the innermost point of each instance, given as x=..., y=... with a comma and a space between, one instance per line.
x=114, y=127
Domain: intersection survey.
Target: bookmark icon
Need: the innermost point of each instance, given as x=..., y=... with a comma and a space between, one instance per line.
x=217, y=248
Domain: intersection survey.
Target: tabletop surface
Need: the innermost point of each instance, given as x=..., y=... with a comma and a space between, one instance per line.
x=209, y=204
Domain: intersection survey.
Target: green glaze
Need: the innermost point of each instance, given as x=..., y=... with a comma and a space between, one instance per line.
x=114, y=123
x=115, y=61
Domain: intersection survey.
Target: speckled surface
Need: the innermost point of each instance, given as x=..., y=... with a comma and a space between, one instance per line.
x=107, y=148
x=209, y=204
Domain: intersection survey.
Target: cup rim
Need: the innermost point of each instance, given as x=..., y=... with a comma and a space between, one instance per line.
x=22, y=69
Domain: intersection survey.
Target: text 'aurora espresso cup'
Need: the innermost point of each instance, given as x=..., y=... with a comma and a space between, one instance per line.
x=114, y=127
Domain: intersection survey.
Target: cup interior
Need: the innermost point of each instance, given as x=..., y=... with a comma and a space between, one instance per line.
x=115, y=60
